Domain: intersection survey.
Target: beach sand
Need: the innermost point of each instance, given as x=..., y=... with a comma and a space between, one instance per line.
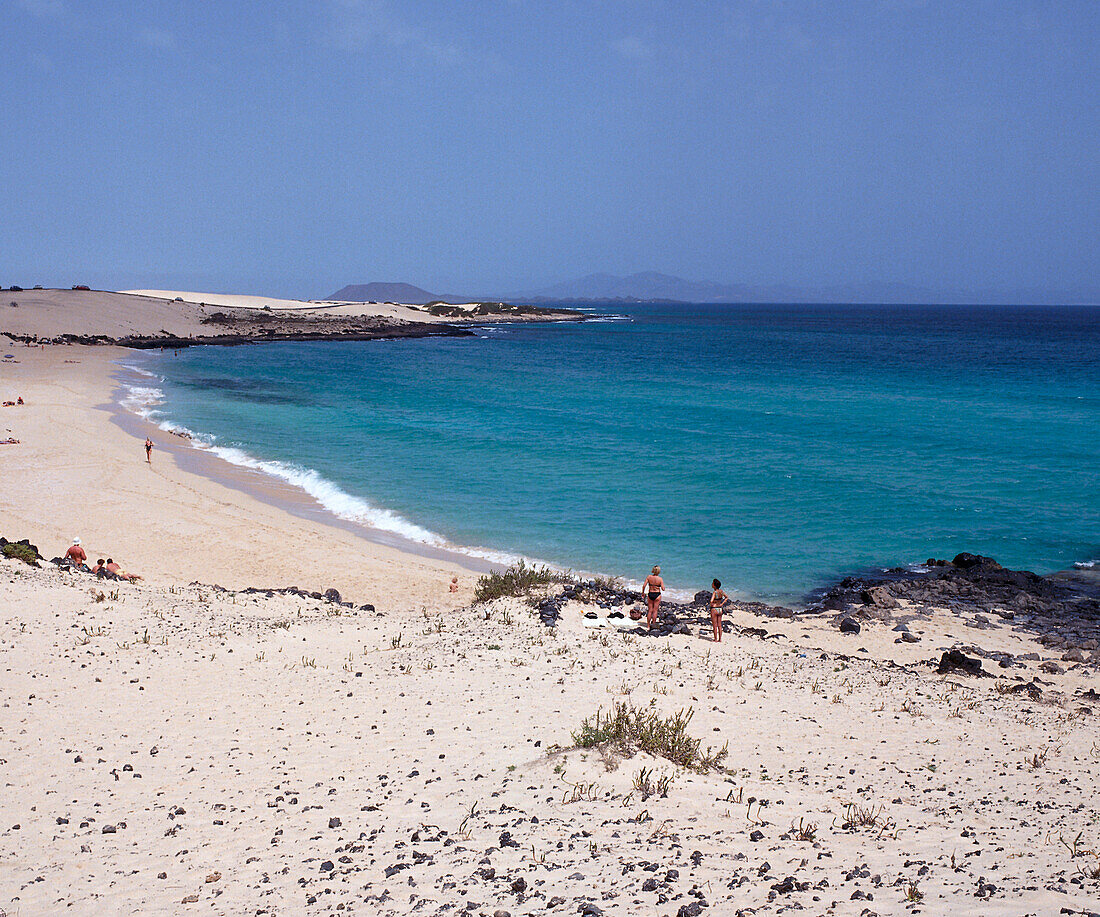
x=168, y=748
x=76, y=473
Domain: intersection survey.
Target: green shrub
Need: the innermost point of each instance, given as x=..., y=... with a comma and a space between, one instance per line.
x=516, y=580
x=626, y=728
x=22, y=552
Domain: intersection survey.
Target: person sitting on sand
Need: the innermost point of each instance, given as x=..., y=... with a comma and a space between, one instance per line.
x=99, y=568
x=717, y=600
x=652, y=588
x=75, y=556
x=114, y=568
x=454, y=584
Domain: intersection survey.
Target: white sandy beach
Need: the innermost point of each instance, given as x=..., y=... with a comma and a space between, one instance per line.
x=168, y=748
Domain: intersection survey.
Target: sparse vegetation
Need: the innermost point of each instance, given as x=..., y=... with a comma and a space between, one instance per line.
x=516, y=580
x=628, y=729
x=647, y=786
x=23, y=552
x=804, y=830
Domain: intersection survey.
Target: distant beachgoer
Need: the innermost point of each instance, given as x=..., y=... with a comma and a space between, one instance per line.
x=100, y=568
x=112, y=567
x=718, y=600
x=454, y=584
x=75, y=556
x=148, y=450
x=652, y=588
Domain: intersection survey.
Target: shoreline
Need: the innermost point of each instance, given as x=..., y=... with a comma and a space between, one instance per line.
x=79, y=470
x=272, y=488
x=267, y=488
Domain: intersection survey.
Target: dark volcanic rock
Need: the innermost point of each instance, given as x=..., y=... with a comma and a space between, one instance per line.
x=957, y=661
x=849, y=626
x=966, y=560
x=1068, y=601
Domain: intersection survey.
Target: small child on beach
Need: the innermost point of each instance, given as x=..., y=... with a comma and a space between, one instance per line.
x=717, y=600
x=454, y=584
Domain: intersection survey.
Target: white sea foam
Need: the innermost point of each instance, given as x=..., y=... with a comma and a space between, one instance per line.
x=1086, y=564
x=142, y=400
x=142, y=372
x=338, y=502
x=145, y=401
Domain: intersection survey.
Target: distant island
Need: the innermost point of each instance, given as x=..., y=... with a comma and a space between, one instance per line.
x=651, y=286
x=393, y=292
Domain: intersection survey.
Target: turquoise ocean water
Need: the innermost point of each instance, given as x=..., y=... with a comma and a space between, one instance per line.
x=775, y=447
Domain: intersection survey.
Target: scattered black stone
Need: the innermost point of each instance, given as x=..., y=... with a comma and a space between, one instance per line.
x=849, y=626
x=957, y=661
x=1029, y=687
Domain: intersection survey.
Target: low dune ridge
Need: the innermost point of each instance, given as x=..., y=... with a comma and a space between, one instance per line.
x=170, y=318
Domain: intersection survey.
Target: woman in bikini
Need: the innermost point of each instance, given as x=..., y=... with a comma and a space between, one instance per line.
x=718, y=600
x=652, y=589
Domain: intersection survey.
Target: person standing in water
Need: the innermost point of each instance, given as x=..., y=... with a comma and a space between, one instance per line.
x=148, y=450
x=718, y=600
x=652, y=589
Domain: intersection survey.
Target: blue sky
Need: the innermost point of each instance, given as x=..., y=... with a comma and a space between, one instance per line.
x=495, y=145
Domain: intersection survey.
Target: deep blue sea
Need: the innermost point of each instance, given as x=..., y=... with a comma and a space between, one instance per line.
x=774, y=447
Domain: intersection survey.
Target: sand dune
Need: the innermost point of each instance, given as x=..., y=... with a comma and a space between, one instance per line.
x=240, y=301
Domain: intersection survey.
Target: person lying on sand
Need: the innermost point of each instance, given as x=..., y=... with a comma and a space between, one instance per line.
x=718, y=600
x=12, y=404
x=10, y=441
x=112, y=567
x=652, y=589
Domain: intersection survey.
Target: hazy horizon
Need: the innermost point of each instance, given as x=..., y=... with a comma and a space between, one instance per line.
x=292, y=150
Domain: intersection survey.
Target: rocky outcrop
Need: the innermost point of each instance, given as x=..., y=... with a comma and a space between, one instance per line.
x=1063, y=608
x=231, y=329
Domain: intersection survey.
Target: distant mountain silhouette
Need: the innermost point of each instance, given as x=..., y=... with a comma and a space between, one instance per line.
x=392, y=292
x=652, y=286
